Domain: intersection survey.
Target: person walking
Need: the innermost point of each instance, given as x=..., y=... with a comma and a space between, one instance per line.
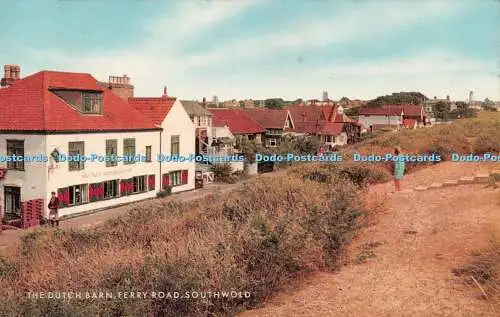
x=399, y=168
x=53, y=214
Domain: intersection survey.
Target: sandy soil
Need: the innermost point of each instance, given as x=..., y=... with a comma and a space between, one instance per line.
x=401, y=265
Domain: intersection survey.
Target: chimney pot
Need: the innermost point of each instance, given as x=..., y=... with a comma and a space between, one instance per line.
x=164, y=91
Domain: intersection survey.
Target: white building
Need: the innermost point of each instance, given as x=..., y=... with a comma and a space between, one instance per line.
x=176, y=138
x=49, y=116
x=392, y=116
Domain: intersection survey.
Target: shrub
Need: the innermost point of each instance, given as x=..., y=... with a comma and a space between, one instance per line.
x=487, y=143
x=222, y=171
x=166, y=192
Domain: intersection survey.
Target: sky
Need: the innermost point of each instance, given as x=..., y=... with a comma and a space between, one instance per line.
x=263, y=48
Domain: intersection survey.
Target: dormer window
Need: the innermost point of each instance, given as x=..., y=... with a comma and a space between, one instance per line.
x=92, y=102
x=86, y=102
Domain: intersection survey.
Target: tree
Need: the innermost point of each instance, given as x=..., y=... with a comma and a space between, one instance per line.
x=442, y=110
x=275, y=103
x=354, y=112
x=398, y=98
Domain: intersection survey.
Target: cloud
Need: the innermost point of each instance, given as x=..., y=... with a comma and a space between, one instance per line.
x=154, y=62
x=433, y=62
x=159, y=60
x=361, y=21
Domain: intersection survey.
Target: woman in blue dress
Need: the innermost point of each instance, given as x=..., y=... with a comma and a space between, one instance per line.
x=399, y=168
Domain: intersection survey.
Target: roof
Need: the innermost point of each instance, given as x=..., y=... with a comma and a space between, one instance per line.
x=393, y=110
x=236, y=119
x=318, y=119
x=380, y=111
x=194, y=108
x=28, y=104
x=268, y=118
x=331, y=128
x=154, y=108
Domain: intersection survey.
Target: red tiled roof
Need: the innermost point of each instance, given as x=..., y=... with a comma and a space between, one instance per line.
x=154, y=108
x=306, y=113
x=29, y=105
x=268, y=118
x=393, y=110
x=331, y=128
x=318, y=119
x=380, y=111
x=237, y=121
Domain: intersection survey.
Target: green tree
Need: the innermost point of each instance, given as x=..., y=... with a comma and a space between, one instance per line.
x=275, y=103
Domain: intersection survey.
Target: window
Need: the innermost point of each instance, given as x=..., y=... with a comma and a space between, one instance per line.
x=175, y=178
x=15, y=147
x=174, y=145
x=78, y=194
x=111, y=152
x=198, y=121
x=110, y=189
x=75, y=149
x=128, y=150
x=12, y=200
x=148, y=153
x=139, y=184
x=92, y=102
x=272, y=142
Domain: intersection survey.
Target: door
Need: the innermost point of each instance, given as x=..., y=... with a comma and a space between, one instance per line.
x=12, y=200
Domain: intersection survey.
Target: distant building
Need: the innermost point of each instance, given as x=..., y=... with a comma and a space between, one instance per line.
x=325, y=95
x=392, y=116
x=328, y=123
x=276, y=122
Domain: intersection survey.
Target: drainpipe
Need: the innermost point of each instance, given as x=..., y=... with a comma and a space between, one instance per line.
x=160, y=176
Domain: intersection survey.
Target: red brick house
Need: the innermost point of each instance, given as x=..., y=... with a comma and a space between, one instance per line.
x=277, y=122
x=328, y=123
x=235, y=123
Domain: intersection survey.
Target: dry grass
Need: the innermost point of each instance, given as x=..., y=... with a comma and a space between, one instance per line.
x=256, y=239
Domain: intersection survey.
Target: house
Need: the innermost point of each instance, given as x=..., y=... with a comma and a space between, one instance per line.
x=277, y=122
x=202, y=119
x=177, y=138
x=65, y=132
x=391, y=116
x=328, y=123
x=237, y=123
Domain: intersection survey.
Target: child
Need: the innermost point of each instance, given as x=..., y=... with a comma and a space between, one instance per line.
x=399, y=169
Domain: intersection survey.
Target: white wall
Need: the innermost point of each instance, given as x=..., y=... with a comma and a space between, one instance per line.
x=177, y=122
x=95, y=172
x=222, y=132
x=32, y=180
x=367, y=121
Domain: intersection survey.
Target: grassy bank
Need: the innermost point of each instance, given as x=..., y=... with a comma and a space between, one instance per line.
x=255, y=240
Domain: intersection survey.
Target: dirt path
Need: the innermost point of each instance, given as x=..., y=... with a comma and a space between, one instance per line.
x=402, y=264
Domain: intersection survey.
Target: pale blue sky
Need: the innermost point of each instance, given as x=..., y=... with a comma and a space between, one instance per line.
x=263, y=48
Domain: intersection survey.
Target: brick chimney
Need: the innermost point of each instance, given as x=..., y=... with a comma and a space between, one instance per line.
x=121, y=86
x=204, y=102
x=11, y=74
